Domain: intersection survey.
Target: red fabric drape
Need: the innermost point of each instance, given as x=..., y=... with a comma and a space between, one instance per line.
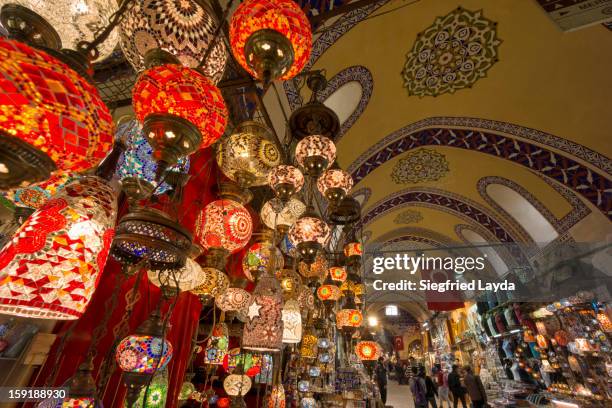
x=183, y=322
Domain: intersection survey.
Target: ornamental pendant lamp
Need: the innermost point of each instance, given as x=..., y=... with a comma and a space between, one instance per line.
x=52, y=265
x=368, y=351
x=262, y=256
x=263, y=330
x=214, y=281
x=271, y=39
x=285, y=181
x=334, y=184
x=315, y=154
x=292, y=322
x=309, y=234
x=174, y=281
x=349, y=318
x=281, y=215
x=51, y=119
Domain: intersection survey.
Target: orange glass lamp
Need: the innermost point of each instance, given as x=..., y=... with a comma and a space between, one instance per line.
x=50, y=117
x=271, y=39
x=353, y=251
x=349, y=318
x=224, y=224
x=334, y=184
x=329, y=293
x=338, y=273
x=51, y=267
x=309, y=234
x=285, y=181
x=181, y=111
x=277, y=397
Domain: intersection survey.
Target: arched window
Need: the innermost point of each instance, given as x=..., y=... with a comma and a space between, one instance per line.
x=487, y=251
x=345, y=100
x=524, y=212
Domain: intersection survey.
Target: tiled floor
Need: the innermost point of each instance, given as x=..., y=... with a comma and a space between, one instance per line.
x=399, y=396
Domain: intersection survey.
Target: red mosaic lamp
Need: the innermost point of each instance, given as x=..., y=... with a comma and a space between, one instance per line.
x=50, y=117
x=181, y=111
x=51, y=267
x=224, y=224
x=271, y=39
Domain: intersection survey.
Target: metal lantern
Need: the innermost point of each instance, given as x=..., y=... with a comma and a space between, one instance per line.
x=285, y=181
x=334, y=184
x=184, y=279
x=308, y=348
x=279, y=215
x=249, y=154
x=260, y=257
x=52, y=265
x=150, y=235
x=185, y=29
x=51, y=119
x=315, y=154
x=306, y=298
x=309, y=234
x=290, y=283
x=263, y=330
x=224, y=224
x=271, y=39
x=181, y=111
x=45, y=23
x=292, y=322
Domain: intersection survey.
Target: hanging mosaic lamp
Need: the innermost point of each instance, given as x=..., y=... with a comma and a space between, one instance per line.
x=285, y=181
x=315, y=154
x=329, y=293
x=353, y=251
x=150, y=235
x=316, y=270
x=271, y=39
x=292, y=322
x=51, y=267
x=367, y=350
x=346, y=212
x=173, y=281
x=349, y=318
x=181, y=111
x=137, y=170
x=155, y=395
x=261, y=257
x=81, y=390
x=249, y=154
x=51, y=119
x=334, y=184
x=308, y=348
x=338, y=273
x=290, y=283
x=306, y=298
x=277, y=397
x=214, y=283
x=263, y=330
x=142, y=354
x=309, y=234
x=233, y=300
x=279, y=215
x=187, y=32
x=224, y=224
x=36, y=195
x=44, y=23
x=237, y=385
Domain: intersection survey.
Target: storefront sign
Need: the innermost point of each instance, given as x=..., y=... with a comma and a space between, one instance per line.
x=571, y=15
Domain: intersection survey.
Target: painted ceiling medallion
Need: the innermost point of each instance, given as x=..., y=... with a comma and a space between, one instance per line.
x=419, y=166
x=408, y=217
x=453, y=53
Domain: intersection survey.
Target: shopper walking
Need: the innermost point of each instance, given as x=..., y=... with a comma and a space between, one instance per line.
x=443, y=387
x=475, y=388
x=418, y=387
x=431, y=390
x=380, y=373
x=458, y=390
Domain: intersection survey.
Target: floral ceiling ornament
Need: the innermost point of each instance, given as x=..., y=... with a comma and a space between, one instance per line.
x=453, y=53
x=408, y=217
x=419, y=166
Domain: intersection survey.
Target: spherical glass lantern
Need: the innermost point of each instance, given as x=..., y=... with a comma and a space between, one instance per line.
x=178, y=280
x=280, y=215
x=368, y=350
x=315, y=154
x=237, y=385
x=334, y=184
x=263, y=330
x=187, y=32
x=157, y=392
x=292, y=322
x=214, y=283
x=259, y=258
x=309, y=234
x=53, y=119
x=271, y=39
x=290, y=283
x=136, y=168
x=338, y=273
x=316, y=270
x=181, y=111
x=61, y=23
x=285, y=181
x=233, y=299
x=249, y=154
x=51, y=267
x=143, y=354
x=224, y=224
x=328, y=293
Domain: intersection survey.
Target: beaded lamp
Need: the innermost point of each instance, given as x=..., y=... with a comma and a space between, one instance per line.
x=51, y=118
x=184, y=279
x=292, y=322
x=224, y=224
x=279, y=215
x=185, y=29
x=263, y=330
x=249, y=154
x=368, y=350
x=349, y=318
x=217, y=345
x=259, y=258
x=315, y=154
x=181, y=111
x=271, y=39
x=45, y=23
x=309, y=234
x=52, y=265
x=334, y=184
x=285, y=181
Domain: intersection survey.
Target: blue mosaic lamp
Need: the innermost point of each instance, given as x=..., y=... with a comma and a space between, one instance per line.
x=137, y=170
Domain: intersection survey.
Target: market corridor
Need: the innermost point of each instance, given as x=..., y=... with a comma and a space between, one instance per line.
x=398, y=396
